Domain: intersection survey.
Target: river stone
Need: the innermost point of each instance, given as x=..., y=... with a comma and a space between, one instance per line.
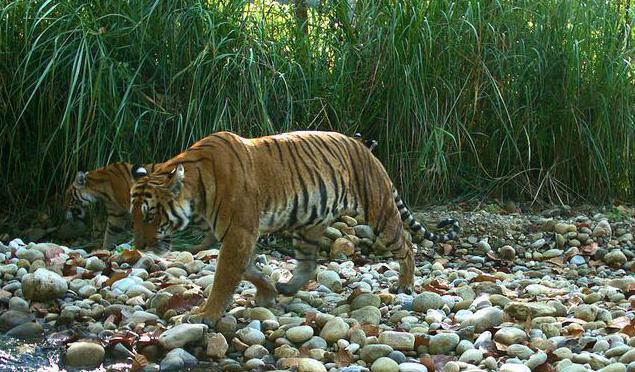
x=30, y=255
x=178, y=359
x=372, y=352
x=427, y=300
x=335, y=329
x=299, y=334
x=182, y=334
x=510, y=335
x=26, y=330
x=524, y=310
x=310, y=365
x=255, y=352
x=365, y=299
x=615, y=258
x=330, y=279
x=384, y=364
x=412, y=367
x=10, y=319
x=43, y=285
x=443, y=343
x=216, y=346
x=316, y=342
x=364, y=232
x=261, y=313
x=398, y=340
x=18, y=304
x=95, y=264
x=250, y=336
x=519, y=351
x=473, y=356
x=484, y=319
x=367, y=314
x=86, y=355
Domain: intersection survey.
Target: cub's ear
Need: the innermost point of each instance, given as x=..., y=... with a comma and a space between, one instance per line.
x=357, y=135
x=176, y=179
x=371, y=144
x=138, y=171
x=80, y=178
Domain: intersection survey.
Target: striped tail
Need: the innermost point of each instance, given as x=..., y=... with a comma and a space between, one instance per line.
x=418, y=230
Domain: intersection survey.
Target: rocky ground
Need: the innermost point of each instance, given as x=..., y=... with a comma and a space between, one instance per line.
x=550, y=291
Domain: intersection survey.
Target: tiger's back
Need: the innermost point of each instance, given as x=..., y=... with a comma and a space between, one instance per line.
x=299, y=181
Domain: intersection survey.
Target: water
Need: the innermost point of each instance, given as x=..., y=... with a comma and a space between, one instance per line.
x=23, y=356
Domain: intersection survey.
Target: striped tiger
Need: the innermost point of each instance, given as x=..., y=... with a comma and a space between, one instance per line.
x=111, y=185
x=298, y=182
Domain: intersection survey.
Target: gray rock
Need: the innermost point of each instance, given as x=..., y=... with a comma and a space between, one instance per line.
x=216, y=346
x=30, y=255
x=426, y=301
x=412, y=367
x=95, y=264
x=398, y=340
x=315, y=342
x=310, y=365
x=472, y=356
x=11, y=319
x=519, y=351
x=365, y=299
x=26, y=330
x=330, y=279
x=251, y=336
x=299, y=334
x=384, y=364
x=178, y=359
x=372, y=352
x=443, y=343
x=484, y=319
x=86, y=355
x=43, y=285
x=524, y=310
x=18, y=304
x=182, y=334
x=364, y=232
x=335, y=329
x=615, y=258
x=510, y=335
x=367, y=314
x=536, y=360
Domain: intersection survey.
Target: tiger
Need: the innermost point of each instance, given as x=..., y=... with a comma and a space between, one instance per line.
x=111, y=185
x=298, y=182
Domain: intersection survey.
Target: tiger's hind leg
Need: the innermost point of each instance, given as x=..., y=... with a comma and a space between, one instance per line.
x=266, y=293
x=397, y=240
x=306, y=244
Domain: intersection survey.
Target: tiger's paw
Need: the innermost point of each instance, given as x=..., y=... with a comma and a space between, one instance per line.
x=265, y=300
x=285, y=289
x=199, y=317
x=405, y=289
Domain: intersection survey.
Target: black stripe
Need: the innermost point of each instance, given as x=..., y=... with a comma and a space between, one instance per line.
x=293, y=216
x=201, y=186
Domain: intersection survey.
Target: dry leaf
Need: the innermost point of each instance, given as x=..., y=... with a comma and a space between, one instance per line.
x=117, y=275
x=485, y=278
x=545, y=367
x=428, y=363
x=343, y=358
x=619, y=323
x=370, y=329
x=589, y=250
x=181, y=303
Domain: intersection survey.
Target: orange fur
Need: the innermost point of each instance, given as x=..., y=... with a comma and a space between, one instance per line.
x=299, y=182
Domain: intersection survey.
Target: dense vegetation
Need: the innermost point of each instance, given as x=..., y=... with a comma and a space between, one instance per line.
x=522, y=98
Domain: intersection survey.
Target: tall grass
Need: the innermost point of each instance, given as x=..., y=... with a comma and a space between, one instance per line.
x=529, y=99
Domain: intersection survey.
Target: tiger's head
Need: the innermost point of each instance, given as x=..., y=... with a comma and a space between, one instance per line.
x=158, y=206
x=78, y=197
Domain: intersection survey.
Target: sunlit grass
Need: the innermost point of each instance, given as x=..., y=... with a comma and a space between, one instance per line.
x=524, y=99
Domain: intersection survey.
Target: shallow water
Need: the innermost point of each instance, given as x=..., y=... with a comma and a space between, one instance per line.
x=37, y=355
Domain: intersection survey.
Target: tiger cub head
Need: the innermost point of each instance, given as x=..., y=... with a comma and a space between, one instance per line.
x=158, y=206
x=78, y=197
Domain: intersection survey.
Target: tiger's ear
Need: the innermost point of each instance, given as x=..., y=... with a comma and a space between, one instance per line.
x=138, y=171
x=80, y=178
x=176, y=179
x=357, y=135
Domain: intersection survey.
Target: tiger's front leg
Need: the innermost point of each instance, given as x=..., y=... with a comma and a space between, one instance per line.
x=233, y=261
x=115, y=227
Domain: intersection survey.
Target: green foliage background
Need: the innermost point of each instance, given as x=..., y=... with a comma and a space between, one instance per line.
x=521, y=98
